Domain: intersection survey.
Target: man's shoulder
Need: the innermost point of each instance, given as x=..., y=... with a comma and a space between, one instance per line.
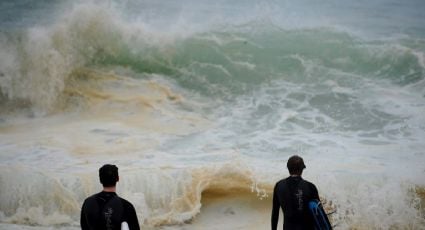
x=90, y=203
x=284, y=180
x=282, y=183
x=126, y=203
x=91, y=198
x=309, y=183
x=310, y=186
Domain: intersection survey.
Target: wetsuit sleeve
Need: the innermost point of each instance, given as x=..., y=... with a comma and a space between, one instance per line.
x=315, y=192
x=275, y=209
x=132, y=221
x=83, y=221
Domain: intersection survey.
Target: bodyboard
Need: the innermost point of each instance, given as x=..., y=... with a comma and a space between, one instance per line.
x=321, y=221
x=124, y=226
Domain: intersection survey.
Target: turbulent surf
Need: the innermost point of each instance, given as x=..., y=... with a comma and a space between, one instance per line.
x=201, y=104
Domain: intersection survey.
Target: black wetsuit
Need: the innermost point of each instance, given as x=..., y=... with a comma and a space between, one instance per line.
x=106, y=211
x=292, y=195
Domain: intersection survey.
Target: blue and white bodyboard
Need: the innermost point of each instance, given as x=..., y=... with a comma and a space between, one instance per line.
x=321, y=221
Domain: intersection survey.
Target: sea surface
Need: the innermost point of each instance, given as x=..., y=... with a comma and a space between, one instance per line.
x=201, y=103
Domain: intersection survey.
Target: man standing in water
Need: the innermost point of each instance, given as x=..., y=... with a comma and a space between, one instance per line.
x=292, y=195
x=106, y=210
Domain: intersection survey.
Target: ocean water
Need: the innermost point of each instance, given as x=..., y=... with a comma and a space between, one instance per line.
x=200, y=104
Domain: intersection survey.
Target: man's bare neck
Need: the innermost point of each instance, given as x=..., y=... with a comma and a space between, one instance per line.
x=109, y=189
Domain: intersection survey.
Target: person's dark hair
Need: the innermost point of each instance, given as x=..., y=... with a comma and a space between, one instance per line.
x=295, y=165
x=108, y=175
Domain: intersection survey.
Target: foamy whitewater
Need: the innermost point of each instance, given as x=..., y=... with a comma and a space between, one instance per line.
x=200, y=104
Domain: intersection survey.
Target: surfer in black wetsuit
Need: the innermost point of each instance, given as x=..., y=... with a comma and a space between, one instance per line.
x=106, y=210
x=292, y=195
